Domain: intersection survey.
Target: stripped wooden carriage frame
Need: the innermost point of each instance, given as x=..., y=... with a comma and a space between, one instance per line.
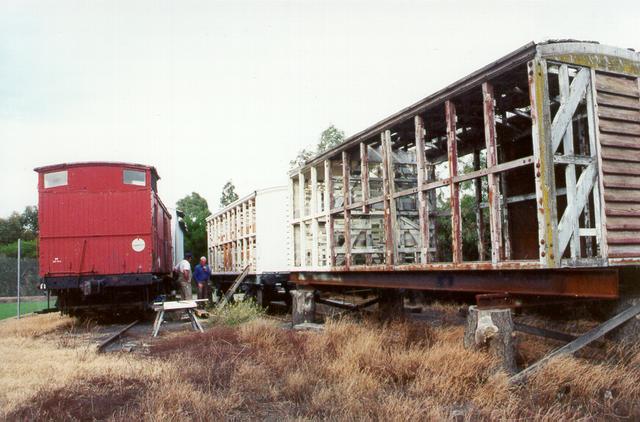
x=596, y=227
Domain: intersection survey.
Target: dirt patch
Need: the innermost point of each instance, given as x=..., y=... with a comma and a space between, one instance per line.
x=92, y=399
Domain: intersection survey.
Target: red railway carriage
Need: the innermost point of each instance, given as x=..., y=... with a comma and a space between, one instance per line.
x=105, y=236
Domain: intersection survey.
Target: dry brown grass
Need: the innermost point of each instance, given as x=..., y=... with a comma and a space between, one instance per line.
x=35, y=325
x=350, y=371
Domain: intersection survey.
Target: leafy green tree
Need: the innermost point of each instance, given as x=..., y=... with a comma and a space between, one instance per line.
x=28, y=249
x=229, y=194
x=329, y=138
x=11, y=228
x=196, y=211
x=303, y=156
x=29, y=220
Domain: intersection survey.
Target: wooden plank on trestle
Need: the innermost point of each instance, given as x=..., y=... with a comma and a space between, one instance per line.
x=580, y=342
x=454, y=188
x=495, y=226
x=346, y=193
x=423, y=206
x=364, y=175
x=570, y=169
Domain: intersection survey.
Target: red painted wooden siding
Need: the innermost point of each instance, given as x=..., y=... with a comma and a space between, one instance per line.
x=87, y=227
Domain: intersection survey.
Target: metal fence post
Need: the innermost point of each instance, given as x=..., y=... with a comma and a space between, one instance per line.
x=18, y=277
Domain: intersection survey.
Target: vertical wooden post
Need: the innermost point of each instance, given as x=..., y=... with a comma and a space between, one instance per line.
x=423, y=207
x=543, y=167
x=431, y=217
x=364, y=175
x=599, y=215
x=303, y=233
x=586, y=220
x=328, y=203
x=570, y=169
x=495, y=225
x=314, y=216
x=346, y=189
x=454, y=188
x=292, y=217
x=506, y=233
x=389, y=201
x=301, y=194
x=477, y=182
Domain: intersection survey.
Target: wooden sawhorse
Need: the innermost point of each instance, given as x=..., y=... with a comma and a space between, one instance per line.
x=187, y=306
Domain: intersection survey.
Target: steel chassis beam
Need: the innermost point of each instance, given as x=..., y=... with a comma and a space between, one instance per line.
x=578, y=283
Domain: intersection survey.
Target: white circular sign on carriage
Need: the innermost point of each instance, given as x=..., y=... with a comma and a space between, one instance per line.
x=138, y=244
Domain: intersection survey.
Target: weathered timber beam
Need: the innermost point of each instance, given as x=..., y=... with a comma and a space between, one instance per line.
x=328, y=202
x=314, y=221
x=600, y=217
x=387, y=182
x=346, y=175
x=454, y=188
x=543, y=169
x=423, y=205
x=364, y=175
x=488, y=100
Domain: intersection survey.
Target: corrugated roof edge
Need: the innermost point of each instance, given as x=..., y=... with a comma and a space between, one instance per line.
x=515, y=58
x=51, y=167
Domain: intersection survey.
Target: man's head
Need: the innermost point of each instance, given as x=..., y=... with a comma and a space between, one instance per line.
x=203, y=260
x=188, y=256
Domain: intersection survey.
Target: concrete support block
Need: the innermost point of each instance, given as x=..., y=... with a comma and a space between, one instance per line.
x=492, y=330
x=303, y=306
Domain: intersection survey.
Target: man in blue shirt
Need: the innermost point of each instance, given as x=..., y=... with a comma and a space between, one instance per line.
x=202, y=273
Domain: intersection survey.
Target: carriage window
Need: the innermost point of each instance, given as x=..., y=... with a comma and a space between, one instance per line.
x=56, y=178
x=134, y=177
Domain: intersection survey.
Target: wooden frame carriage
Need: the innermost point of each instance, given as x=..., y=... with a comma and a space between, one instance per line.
x=523, y=177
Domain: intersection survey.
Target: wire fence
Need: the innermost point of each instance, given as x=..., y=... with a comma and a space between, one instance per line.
x=29, y=280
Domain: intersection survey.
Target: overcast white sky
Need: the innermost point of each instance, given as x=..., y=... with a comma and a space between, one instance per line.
x=208, y=91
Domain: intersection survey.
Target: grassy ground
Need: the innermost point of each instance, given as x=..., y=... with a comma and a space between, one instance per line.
x=8, y=310
x=350, y=371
